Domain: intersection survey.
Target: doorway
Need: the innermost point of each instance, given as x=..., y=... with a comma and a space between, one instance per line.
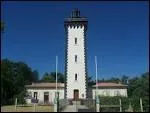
x=76, y=94
x=46, y=97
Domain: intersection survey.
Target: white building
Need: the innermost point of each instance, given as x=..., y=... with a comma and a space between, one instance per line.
x=110, y=89
x=75, y=63
x=44, y=92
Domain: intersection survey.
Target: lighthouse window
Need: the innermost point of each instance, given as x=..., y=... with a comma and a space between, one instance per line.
x=75, y=58
x=76, y=76
x=75, y=40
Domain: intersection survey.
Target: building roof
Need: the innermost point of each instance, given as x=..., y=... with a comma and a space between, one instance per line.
x=45, y=85
x=110, y=84
x=61, y=85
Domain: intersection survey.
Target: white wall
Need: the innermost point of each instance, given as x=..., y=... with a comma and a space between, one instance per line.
x=111, y=92
x=40, y=95
x=78, y=67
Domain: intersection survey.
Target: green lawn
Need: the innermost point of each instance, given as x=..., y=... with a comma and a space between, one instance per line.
x=11, y=108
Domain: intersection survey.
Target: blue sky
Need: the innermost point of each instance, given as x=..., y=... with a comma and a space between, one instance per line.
x=117, y=34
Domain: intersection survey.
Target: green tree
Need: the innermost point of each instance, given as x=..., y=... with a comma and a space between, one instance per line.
x=52, y=77
x=139, y=86
x=14, y=77
x=90, y=81
x=124, y=79
x=113, y=79
x=47, y=78
x=35, y=76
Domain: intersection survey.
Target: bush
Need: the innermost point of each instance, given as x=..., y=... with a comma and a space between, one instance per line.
x=135, y=103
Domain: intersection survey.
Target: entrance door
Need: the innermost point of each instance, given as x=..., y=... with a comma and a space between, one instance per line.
x=76, y=94
x=46, y=97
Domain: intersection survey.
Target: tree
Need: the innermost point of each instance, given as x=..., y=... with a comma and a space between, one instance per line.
x=124, y=79
x=14, y=77
x=90, y=81
x=52, y=77
x=35, y=76
x=113, y=79
x=47, y=78
x=139, y=86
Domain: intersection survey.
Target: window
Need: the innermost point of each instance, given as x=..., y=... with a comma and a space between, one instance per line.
x=35, y=95
x=76, y=76
x=82, y=95
x=75, y=58
x=75, y=40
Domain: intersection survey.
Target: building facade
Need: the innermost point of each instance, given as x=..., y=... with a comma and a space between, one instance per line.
x=110, y=89
x=45, y=92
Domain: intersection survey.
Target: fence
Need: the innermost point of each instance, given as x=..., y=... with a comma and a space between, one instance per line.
x=123, y=104
x=62, y=103
x=90, y=103
x=112, y=108
x=27, y=108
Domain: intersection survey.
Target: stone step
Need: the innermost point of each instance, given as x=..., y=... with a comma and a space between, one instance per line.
x=85, y=110
x=76, y=102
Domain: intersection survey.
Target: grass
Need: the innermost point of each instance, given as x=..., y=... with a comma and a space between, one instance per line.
x=11, y=108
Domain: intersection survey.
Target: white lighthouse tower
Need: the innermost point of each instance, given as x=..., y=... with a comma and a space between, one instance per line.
x=76, y=61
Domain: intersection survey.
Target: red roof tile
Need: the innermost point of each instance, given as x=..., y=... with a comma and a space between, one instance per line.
x=109, y=84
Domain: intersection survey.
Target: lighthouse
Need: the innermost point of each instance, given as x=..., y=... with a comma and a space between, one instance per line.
x=75, y=56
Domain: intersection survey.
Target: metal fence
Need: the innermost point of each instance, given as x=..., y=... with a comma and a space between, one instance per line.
x=27, y=108
x=62, y=103
x=90, y=103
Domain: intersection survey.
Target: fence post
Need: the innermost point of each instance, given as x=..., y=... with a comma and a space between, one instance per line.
x=16, y=104
x=141, y=105
x=120, y=105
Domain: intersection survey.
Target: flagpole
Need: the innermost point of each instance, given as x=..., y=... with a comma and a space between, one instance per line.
x=56, y=83
x=96, y=74
x=97, y=98
x=56, y=71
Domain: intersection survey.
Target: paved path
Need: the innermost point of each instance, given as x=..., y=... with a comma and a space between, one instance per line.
x=74, y=108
